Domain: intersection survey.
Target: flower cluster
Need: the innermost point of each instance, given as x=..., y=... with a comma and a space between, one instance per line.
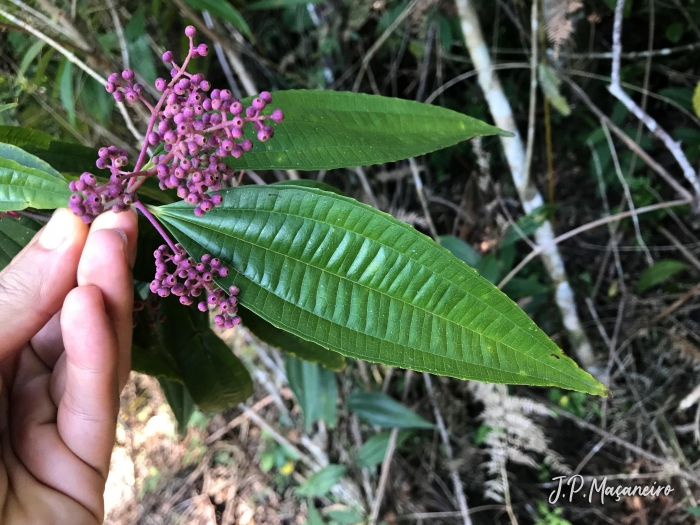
x=191, y=279
x=192, y=129
x=195, y=128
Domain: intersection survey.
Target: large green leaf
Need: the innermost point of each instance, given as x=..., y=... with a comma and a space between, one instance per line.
x=215, y=377
x=22, y=187
x=316, y=391
x=330, y=129
x=180, y=402
x=149, y=351
x=15, y=235
x=290, y=343
x=359, y=282
x=10, y=152
x=62, y=156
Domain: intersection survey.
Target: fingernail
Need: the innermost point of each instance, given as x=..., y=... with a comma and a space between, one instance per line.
x=58, y=229
x=125, y=243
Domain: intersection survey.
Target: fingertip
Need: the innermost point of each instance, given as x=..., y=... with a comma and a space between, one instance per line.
x=126, y=222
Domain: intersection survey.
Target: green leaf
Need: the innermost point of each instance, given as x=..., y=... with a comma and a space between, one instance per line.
x=10, y=152
x=344, y=516
x=22, y=187
x=290, y=343
x=306, y=183
x=696, y=99
x=320, y=483
x=659, y=272
x=5, y=107
x=381, y=410
x=215, y=377
x=225, y=11
x=550, y=82
x=14, y=236
x=460, y=249
x=518, y=288
x=64, y=157
x=359, y=282
x=693, y=511
x=140, y=52
x=316, y=391
x=274, y=4
x=313, y=518
x=527, y=225
x=66, y=91
x=373, y=451
x=329, y=129
x=149, y=351
x=180, y=402
x=674, y=32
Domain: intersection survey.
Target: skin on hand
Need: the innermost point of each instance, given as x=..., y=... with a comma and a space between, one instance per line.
x=65, y=346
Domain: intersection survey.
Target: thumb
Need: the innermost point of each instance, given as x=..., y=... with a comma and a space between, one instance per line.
x=34, y=285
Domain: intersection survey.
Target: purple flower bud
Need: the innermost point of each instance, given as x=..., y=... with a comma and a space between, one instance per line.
x=163, y=292
x=203, y=49
x=247, y=145
x=225, y=95
x=190, y=31
x=264, y=135
x=250, y=112
x=168, y=56
x=161, y=84
x=234, y=290
x=153, y=138
x=113, y=78
x=110, y=87
x=266, y=96
x=128, y=74
x=119, y=96
x=131, y=96
x=277, y=116
x=223, y=271
x=258, y=103
x=187, y=301
x=204, y=85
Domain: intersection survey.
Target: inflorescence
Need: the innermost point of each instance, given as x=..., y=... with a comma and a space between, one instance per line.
x=192, y=129
x=191, y=279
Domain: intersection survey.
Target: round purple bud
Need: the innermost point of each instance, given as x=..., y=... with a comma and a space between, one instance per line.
x=202, y=49
x=110, y=87
x=128, y=74
x=190, y=31
x=277, y=116
x=161, y=84
x=266, y=96
x=113, y=78
x=247, y=145
x=119, y=96
x=258, y=103
x=168, y=56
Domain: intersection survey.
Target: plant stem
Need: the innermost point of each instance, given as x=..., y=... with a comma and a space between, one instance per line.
x=139, y=206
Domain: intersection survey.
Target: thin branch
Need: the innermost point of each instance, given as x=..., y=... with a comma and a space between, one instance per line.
x=221, y=55
x=120, y=33
x=616, y=90
x=380, y=41
x=628, y=194
x=421, y=197
x=530, y=196
x=631, y=144
x=530, y=144
x=449, y=454
x=586, y=227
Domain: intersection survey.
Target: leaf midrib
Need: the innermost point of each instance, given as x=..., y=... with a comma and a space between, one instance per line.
x=487, y=338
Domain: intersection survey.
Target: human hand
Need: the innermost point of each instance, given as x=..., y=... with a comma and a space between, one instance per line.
x=65, y=345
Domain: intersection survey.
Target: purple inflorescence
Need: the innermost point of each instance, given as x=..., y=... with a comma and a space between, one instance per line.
x=197, y=129
x=192, y=279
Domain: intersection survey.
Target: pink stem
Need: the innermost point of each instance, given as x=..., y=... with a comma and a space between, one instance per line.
x=139, y=206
